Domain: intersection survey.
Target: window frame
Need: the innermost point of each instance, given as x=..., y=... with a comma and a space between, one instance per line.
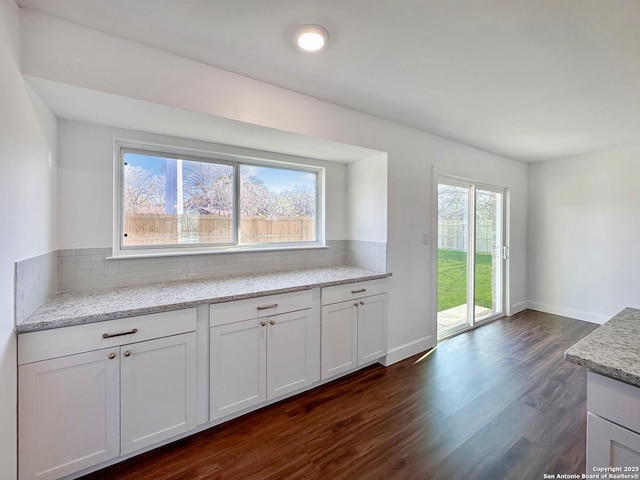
x=236, y=161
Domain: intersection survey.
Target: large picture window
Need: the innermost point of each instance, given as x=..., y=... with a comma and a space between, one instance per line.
x=170, y=201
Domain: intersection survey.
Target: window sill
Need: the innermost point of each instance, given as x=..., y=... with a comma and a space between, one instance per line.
x=217, y=251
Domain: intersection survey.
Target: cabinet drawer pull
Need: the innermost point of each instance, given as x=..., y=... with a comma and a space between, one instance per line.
x=263, y=323
x=127, y=353
x=361, y=302
x=265, y=307
x=111, y=335
x=360, y=290
x=112, y=356
x=272, y=322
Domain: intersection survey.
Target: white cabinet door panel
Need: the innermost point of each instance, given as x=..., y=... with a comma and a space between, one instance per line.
x=598, y=441
x=238, y=367
x=69, y=413
x=339, y=339
x=609, y=445
x=625, y=448
x=288, y=349
x=372, y=324
x=158, y=390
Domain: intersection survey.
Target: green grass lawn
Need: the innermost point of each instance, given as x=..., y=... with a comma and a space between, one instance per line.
x=452, y=279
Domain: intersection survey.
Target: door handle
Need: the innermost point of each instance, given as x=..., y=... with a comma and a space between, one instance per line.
x=504, y=252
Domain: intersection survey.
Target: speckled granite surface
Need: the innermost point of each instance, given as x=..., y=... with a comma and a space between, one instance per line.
x=66, y=309
x=613, y=349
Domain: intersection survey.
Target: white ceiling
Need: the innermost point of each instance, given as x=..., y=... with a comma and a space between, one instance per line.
x=528, y=79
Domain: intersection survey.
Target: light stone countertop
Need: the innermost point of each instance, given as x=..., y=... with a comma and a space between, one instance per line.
x=613, y=349
x=67, y=309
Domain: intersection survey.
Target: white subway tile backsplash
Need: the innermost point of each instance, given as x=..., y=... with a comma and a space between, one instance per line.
x=76, y=259
x=36, y=279
x=85, y=269
x=371, y=255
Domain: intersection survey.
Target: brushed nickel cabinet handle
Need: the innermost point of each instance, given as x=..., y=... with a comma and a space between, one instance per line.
x=127, y=353
x=265, y=307
x=263, y=323
x=272, y=322
x=361, y=290
x=355, y=304
x=361, y=302
x=111, y=335
x=112, y=356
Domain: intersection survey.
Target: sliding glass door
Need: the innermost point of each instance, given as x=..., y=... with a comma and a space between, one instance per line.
x=470, y=255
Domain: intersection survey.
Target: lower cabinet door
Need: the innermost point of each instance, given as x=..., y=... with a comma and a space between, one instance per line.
x=238, y=367
x=609, y=445
x=288, y=351
x=372, y=328
x=69, y=411
x=339, y=338
x=158, y=390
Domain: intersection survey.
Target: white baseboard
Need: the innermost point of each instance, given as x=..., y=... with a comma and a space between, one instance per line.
x=568, y=312
x=401, y=352
x=518, y=307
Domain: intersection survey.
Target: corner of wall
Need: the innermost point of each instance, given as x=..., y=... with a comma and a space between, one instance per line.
x=36, y=280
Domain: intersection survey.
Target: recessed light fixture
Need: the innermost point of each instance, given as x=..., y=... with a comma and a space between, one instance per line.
x=311, y=38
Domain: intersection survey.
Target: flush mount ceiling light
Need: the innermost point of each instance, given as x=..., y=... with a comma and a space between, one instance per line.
x=311, y=38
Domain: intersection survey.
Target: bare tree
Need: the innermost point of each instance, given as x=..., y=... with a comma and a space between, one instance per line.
x=299, y=202
x=255, y=199
x=143, y=191
x=208, y=188
x=452, y=202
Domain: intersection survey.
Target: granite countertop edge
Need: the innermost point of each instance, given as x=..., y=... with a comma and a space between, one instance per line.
x=611, y=349
x=130, y=301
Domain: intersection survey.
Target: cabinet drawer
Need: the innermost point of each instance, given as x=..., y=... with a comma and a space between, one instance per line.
x=613, y=400
x=236, y=311
x=349, y=291
x=58, y=342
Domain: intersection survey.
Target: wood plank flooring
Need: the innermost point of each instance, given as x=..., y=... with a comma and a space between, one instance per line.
x=498, y=402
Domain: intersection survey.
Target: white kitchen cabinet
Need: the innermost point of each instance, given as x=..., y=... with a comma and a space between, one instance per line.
x=372, y=327
x=69, y=414
x=353, y=326
x=158, y=390
x=610, y=445
x=238, y=367
x=613, y=425
x=339, y=339
x=288, y=353
x=79, y=410
x=261, y=358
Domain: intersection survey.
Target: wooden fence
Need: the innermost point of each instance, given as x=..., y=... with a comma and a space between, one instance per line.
x=149, y=229
x=453, y=235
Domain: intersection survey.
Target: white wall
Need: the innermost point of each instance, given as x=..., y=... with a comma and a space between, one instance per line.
x=66, y=53
x=367, y=199
x=27, y=207
x=584, y=226
x=85, y=178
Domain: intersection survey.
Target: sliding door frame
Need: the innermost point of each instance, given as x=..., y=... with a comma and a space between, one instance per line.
x=472, y=186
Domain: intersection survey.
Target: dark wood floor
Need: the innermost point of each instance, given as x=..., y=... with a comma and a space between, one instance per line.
x=498, y=402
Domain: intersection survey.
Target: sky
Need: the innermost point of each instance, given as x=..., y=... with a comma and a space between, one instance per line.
x=275, y=179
